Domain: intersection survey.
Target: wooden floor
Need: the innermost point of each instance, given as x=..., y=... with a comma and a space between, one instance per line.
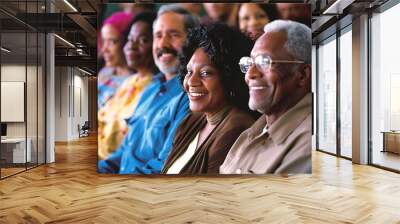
x=70, y=191
x=10, y=171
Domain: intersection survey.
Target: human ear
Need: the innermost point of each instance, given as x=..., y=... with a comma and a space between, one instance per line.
x=304, y=75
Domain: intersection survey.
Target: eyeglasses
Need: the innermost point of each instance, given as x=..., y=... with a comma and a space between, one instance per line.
x=262, y=62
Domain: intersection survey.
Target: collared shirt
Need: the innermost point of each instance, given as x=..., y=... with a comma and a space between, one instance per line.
x=284, y=148
x=107, y=85
x=151, y=130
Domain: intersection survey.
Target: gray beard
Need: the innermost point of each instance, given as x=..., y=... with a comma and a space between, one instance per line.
x=165, y=69
x=257, y=108
x=261, y=107
x=264, y=106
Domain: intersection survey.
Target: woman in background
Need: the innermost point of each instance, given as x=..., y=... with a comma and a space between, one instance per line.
x=138, y=54
x=220, y=12
x=253, y=17
x=218, y=97
x=115, y=70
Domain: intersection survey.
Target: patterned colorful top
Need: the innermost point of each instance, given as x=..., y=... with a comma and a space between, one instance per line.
x=107, y=84
x=151, y=129
x=111, y=118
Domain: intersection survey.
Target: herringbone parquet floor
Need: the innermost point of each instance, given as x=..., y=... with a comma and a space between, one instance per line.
x=70, y=191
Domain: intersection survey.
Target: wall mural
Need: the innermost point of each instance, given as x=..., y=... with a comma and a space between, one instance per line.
x=178, y=92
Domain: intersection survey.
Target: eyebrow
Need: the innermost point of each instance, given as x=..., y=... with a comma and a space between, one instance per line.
x=111, y=38
x=169, y=31
x=263, y=54
x=201, y=65
x=173, y=31
x=140, y=35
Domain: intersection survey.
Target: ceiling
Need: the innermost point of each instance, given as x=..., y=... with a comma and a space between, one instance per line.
x=76, y=22
x=332, y=15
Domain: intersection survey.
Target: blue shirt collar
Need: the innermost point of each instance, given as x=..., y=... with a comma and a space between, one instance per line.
x=168, y=84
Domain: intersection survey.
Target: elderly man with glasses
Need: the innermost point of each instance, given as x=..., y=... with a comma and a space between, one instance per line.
x=278, y=74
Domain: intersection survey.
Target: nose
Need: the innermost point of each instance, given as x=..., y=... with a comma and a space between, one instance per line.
x=105, y=46
x=193, y=80
x=163, y=41
x=131, y=45
x=252, y=21
x=127, y=46
x=252, y=73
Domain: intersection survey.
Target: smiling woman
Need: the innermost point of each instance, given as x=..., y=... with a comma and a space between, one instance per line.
x=203, y=85
x=112, y=117
x=253, y=17
x=115, y=71
x=218, y=99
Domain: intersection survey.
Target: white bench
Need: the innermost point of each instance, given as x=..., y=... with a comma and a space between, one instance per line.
x=18, y=149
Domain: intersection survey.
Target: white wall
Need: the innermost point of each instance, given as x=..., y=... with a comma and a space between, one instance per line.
x=61, y=103
x=33, y=126
x=71, y=102
x=16, y=73
x=81, y=81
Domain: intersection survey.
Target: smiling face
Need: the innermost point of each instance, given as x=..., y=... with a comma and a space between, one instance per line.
x=269, y=90
x=168, y=38
x=252, y=20
x=138, y=47
x=111, y=49
x=203, y=84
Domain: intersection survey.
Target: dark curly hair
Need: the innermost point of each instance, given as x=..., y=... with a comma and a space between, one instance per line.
x=224, y=46
x=146, y=17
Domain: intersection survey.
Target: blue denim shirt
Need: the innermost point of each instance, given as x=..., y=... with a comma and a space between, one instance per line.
x=160, y=110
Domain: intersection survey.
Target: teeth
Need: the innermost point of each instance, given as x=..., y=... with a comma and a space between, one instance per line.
x=165, y=54
x=197, y=94
x=257, y=87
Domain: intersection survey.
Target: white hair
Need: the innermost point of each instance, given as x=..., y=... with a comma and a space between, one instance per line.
x=189, y=20
x=298, y=41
